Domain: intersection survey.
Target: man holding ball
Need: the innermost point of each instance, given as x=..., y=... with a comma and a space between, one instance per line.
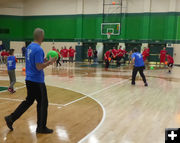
x=36, y=88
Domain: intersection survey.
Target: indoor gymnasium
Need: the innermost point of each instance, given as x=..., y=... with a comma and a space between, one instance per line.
x=89, y=71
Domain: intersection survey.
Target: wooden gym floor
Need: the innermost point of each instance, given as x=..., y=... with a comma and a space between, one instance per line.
x=91, y=105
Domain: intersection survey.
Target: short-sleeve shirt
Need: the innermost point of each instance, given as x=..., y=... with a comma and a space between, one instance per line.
x=90, y=52
x=138, y=59
x=114, y=51
x=65, y=53
x=120, y=53
x=11, y=63
x=34, y=55
x=71, y=52
x=170, y=59
x=107, y=55
x=163, y=53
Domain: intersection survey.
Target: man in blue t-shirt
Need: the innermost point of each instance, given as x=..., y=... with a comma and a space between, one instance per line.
x=11, y=66
x=36, y=88
x=137, y=60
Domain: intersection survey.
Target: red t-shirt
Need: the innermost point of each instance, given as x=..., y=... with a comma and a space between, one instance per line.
x=7, y=54
x=124, y=52
x=163, y=53
x=65, y=53
x=114, y=51
x=107, y=55
x=147, y=51
x=170, y=59
x=145, y=54
x=90, y=52
x=3, y=53
x=120, y=53
x=61, y=52
x=71, y=52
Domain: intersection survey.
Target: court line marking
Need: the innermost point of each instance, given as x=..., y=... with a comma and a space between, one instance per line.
x=104, y=111
x=5, y=102
x=15, y=89
x=85, y=96
x=20, y=100
x=90, y=96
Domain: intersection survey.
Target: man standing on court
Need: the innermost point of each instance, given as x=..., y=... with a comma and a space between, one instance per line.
x=137, y=60
x=36, y=88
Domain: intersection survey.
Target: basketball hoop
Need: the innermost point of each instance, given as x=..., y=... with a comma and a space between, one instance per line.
x=108, y=35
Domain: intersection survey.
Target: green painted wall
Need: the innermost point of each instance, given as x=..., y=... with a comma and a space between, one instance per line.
x=142, y=27
x=16, y=26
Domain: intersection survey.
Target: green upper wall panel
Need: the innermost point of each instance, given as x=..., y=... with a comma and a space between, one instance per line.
x=15, y=25
x=143, y=27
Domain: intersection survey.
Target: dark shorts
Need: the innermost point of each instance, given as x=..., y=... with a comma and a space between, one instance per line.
x=170, y=65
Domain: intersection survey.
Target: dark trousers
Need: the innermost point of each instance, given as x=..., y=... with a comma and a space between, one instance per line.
x=71, y=59
x=135, y=71
x=89, y=59
x=38, y=92
x=118, y=60
x=107, y=63
x=58, y=62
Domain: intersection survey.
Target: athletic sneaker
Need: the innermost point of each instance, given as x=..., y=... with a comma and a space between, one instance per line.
x=10, y=90
x=44, y=130
x=9, y=122
x=13, y=91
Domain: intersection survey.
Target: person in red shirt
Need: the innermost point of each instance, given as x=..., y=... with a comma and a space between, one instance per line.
x=145, y=54
x=114, y=53
x=65, y=54
x=148, y=51
x=120, y=54
x=107, y=57
x=3, y=54
x=90, y=55
x=71, y=54
x=170, y=62
x=163, y=56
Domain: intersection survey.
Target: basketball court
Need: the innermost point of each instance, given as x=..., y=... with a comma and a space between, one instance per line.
x=89, y=103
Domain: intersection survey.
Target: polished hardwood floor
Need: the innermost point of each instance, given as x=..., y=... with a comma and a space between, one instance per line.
x=91, y=105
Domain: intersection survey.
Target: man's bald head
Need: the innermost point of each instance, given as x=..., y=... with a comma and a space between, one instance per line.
x=38, y=35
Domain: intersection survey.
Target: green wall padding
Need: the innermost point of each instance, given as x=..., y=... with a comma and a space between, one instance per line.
x=141, y=27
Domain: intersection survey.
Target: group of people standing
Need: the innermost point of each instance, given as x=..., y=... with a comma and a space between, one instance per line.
x=65, y=55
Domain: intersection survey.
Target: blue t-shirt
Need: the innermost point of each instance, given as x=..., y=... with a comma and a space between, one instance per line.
x=138, y=59
x=11, y=63
x=34, y=55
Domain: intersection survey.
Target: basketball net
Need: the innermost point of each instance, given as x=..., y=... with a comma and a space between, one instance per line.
x=108, y=35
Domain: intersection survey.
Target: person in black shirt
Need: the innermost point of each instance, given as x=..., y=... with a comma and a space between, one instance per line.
x=95, y=56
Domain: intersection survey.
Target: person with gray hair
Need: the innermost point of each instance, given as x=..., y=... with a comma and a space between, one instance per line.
x=35, y=84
